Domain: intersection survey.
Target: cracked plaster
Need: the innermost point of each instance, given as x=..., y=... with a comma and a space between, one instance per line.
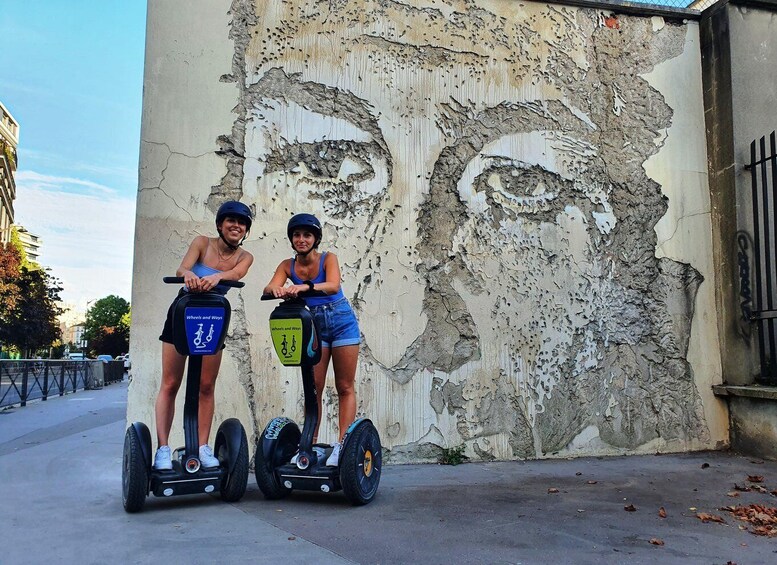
x=480, y=168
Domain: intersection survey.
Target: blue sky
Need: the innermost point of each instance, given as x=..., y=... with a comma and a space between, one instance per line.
x=72, y=76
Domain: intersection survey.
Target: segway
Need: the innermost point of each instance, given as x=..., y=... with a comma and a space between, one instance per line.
x=200, y=322
x=295, y=339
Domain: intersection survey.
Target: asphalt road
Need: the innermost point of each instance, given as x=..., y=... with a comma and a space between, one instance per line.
x=60, y=462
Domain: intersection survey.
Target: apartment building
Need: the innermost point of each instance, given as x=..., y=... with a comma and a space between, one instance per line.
x=9, y=139
x=31, y=243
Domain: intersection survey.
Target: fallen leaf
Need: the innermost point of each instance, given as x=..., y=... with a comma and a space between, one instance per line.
x=292, y=538
x=630, y=508
x=732, y=494
x=591, y=482
x=755, y=478
x=656, y=541
x=692, y=509
x=662, y=512
x=706, y=517
x=578, y=473
x=552, y=490
x=705, y=465
x=743, y=489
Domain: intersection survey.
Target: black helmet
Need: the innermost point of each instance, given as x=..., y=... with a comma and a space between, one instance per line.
x=308, y=221
x=234, y=209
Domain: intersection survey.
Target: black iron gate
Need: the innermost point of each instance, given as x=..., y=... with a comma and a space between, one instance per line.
x=763, y=170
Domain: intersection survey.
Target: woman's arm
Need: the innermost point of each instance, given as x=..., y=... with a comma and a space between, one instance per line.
x=282, y=273
x=196, y=250
x=330, y=286
x=332, y=283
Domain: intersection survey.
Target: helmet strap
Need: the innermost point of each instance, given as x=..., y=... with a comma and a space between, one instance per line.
x=232, y=247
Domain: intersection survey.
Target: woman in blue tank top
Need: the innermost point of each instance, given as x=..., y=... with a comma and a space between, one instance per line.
x=336, y=322
x=206, y=263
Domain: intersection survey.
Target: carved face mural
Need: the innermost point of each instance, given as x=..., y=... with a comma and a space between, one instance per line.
x=479, y=167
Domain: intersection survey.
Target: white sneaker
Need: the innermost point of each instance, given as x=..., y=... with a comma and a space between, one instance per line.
x=334, y=459
x=320, y=452
x=207, y=459
x=162, y=460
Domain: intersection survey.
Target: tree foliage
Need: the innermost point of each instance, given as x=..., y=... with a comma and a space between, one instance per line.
x=31, y=323
x=10, y=261
x=107, y=326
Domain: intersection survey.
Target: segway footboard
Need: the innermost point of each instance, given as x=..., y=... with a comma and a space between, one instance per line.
x=178, y=481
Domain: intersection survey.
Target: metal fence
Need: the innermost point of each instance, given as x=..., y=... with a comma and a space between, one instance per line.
x=695, y=5
x=31, y=379
x=763, y=171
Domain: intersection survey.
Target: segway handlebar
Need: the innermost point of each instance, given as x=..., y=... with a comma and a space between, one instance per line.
x=179, y=280
x=305, y=294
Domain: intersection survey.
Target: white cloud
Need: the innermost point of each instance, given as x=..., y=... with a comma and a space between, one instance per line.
x=32, y=180
x=88, y=236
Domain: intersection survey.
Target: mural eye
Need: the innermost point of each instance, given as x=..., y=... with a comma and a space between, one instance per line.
x=341, y=173
x=332, y=161
x=513, y=188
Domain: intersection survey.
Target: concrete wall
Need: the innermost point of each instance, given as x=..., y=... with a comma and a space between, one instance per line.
x=739, y=57
x=517, y=193
x=740, y=67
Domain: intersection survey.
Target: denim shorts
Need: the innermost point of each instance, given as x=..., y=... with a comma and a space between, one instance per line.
x=337, y=324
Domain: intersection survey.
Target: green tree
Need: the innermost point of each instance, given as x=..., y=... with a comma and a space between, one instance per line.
x=106, y=329
x=16, y=242
x=32, y=323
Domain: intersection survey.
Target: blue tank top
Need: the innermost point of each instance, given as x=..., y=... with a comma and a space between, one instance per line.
x=320, y=277
x=203, y=271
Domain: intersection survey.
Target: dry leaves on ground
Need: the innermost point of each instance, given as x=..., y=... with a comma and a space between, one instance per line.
x=630, y=508
x=656, y=541
x=662, y=512
x=706, y=517
x=762, y=519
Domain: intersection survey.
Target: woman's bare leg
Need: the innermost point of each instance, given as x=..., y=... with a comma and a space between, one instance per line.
x=345, y=360
x=210, y=370
x=172, y=373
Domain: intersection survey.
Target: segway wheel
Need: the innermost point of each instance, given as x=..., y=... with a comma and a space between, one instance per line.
x=361, y=464
x=271, y=453
x=235, y=482
x=134, y=474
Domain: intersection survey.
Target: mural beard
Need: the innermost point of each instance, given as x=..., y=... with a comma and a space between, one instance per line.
x=545, y=307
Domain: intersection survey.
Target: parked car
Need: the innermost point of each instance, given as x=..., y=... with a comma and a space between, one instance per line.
x=104, y=358
x=127, y=362
x=76, y=356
